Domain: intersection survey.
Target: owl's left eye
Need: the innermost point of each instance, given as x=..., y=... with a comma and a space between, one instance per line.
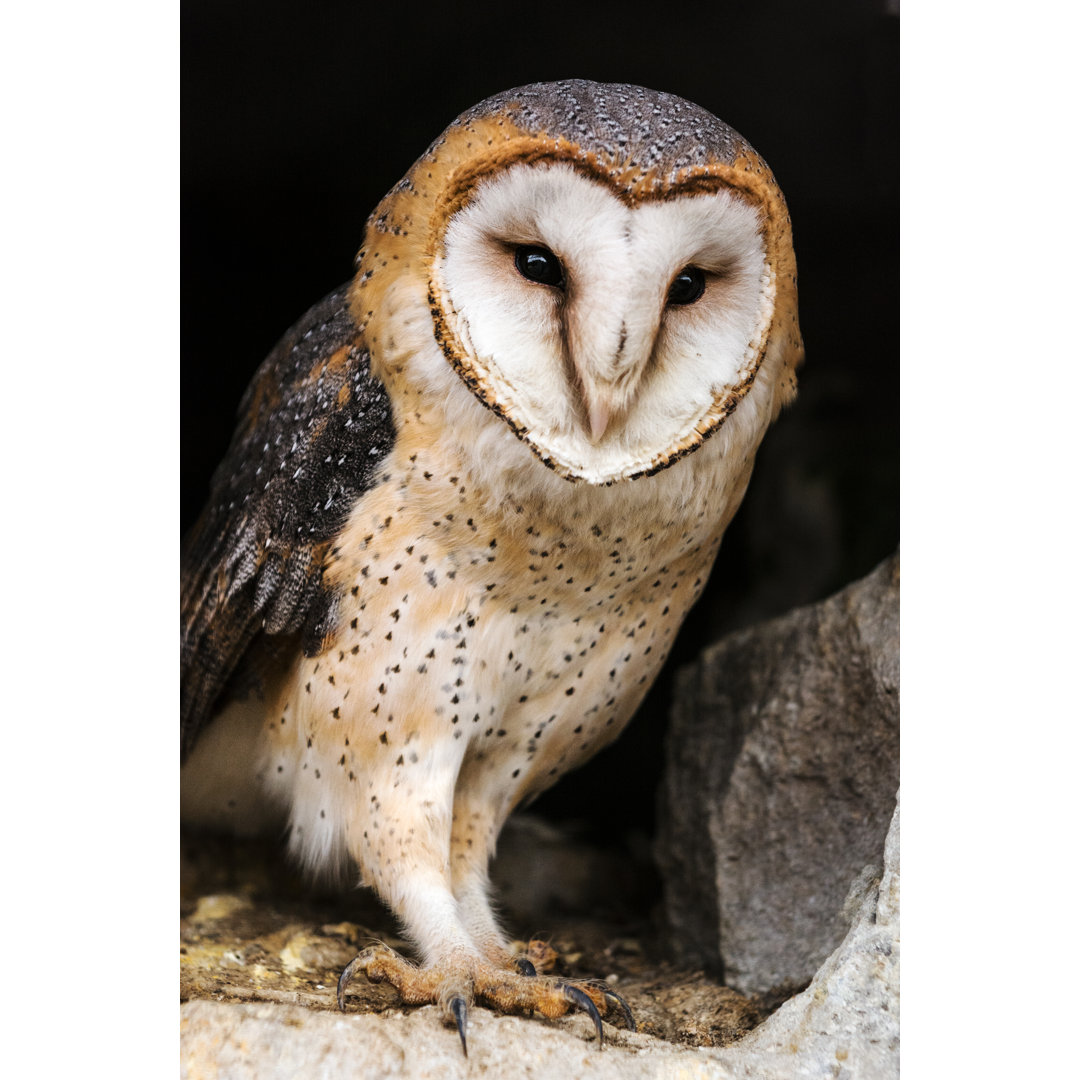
x=687, y=287
x=539, y=265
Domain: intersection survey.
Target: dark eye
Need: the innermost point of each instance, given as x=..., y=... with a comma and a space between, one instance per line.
x=539, y=265
x=687, y=287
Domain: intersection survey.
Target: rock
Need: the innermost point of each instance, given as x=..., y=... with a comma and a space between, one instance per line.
x=267, y=1042
x=782, y=771
x=845, y=1026
x=251, y=935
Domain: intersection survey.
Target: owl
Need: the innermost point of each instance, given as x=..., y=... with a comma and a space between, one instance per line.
x=471, y=497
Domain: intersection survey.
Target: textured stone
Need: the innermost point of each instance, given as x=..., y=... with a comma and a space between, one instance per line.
x=787, y=736
x=845, y=1026
x=251, y=933
x=267, y=1041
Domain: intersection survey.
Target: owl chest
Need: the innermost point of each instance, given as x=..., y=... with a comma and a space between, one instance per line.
x=521, y=648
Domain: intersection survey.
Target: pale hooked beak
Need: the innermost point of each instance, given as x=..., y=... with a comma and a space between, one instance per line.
x=603, y=401
x=599, y=415
x=610, y=347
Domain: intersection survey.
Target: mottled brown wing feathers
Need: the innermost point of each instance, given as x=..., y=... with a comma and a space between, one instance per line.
x=313, y=428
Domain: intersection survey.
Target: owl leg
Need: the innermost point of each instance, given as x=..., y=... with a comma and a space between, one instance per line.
x=466, y=957
x=471, y=849
x=470, y=857
x=401, y=841
x=456, y=972
x=472, y=844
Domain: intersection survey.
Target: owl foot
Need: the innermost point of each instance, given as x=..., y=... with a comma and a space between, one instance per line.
x=456, y=985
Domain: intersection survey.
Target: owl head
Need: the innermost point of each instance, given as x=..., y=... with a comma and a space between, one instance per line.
x=606, y=268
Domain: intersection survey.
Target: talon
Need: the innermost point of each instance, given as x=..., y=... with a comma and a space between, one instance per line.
x=343, y=981
x=459, y=1007
x=359, y=963
x=585, y=1003
x=618, y=999
x=525, y=967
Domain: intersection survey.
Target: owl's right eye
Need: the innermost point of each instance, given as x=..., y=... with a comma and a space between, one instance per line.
x=539, y=265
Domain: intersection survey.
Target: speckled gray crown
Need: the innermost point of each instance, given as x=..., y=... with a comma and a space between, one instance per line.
x=646, y=128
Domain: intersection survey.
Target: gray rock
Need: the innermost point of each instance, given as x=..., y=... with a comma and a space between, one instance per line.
x=846, y=1024
x=782, y=770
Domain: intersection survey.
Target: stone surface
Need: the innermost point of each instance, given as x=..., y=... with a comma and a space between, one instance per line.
x=266, y=1042
x=845, y=1026
x=251, y=932
x=786, y=736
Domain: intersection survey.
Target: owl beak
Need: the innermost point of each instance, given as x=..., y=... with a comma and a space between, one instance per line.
x=599, y=415
x=609, y=351
x=603, y=402
x=597, y=406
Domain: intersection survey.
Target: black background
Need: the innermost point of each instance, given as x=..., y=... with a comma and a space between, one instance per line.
x=297, y=118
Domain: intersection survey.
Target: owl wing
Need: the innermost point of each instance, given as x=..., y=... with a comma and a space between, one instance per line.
x=314, y=426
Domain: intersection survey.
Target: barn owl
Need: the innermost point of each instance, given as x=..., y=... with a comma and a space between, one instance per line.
x=470, y=499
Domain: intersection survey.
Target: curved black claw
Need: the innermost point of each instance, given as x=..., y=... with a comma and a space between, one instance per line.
x=525, y=967
x=585, y=1004
x=346, y=975
x=628, y=1016
x=459, y=1007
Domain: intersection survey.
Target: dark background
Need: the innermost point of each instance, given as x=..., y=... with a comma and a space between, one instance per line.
x=297, y=118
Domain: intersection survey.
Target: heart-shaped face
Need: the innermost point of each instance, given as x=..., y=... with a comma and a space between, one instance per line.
x=612, y=336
